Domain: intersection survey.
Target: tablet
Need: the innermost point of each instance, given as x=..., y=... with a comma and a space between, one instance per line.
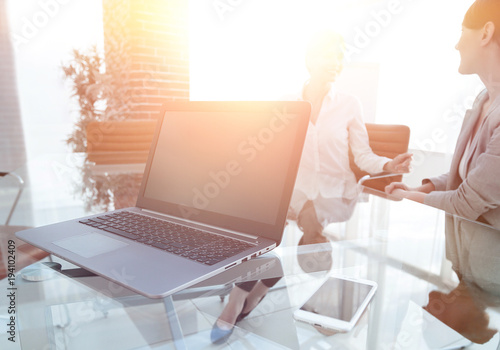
x=338, y=304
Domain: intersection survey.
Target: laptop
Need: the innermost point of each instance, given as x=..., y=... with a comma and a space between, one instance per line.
x=215, y=192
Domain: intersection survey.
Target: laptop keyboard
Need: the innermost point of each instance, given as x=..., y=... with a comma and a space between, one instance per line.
x=190, y=243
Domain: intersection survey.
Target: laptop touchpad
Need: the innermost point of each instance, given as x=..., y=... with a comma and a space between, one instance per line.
x=89, y=245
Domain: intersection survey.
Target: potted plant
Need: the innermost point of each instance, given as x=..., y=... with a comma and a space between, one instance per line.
x=103, y=94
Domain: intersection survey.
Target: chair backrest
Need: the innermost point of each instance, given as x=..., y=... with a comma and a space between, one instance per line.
x=385, y=140
x=120, y=142
x=26, y=254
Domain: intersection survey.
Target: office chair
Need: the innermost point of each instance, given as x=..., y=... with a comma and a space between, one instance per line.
x=25, y=254
x=387, y=141
x=120, y=142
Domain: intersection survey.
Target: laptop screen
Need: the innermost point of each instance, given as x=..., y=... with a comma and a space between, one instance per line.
x=227, y=164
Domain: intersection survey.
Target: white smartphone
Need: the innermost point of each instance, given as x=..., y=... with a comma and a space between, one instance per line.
x=338, y=304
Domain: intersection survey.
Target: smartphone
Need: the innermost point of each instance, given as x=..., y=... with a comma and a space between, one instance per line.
x=338, y=304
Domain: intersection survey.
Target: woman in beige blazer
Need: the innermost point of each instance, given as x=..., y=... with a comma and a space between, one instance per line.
x=471, y=189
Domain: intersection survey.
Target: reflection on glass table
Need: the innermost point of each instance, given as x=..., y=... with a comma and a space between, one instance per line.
x=474, y=250
x=412, y=309
x=437, y=278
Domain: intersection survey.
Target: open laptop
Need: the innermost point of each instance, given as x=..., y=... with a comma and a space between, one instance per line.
x=215, y=193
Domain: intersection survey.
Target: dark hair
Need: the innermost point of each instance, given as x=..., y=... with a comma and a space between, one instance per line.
x=481, y=12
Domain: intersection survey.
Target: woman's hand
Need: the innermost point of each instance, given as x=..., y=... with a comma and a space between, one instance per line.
x=400, y=164
x=397, y=189
x=400, y=190
x=389, y=189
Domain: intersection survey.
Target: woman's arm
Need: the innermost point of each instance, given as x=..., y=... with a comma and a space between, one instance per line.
x=400, y=190
x=479, y=192
x=363, y=154
x=359, y=143
x=412, y=195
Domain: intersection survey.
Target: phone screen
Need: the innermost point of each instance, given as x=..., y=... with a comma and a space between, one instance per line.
x=338, y=298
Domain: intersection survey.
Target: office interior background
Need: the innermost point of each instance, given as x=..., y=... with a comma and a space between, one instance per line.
x=400, y=61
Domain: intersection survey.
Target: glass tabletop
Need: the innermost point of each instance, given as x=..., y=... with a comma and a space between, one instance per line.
x=437, y=278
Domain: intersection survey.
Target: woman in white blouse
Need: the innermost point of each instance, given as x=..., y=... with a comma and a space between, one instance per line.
x=326, y=188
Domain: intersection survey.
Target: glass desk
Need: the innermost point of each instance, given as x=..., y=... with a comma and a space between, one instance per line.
x=418, y=256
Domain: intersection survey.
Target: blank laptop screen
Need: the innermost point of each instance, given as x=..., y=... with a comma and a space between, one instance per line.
x=221, y=162
x=228, y=163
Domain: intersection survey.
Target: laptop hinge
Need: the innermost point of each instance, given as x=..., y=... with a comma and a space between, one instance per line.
x=212, y=228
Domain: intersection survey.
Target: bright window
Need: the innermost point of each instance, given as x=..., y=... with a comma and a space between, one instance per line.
x=401, y=57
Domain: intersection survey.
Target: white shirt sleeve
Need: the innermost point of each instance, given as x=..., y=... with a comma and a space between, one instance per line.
x=358, y=141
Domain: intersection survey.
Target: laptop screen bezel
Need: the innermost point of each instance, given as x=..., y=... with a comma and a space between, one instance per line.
x=272, y=231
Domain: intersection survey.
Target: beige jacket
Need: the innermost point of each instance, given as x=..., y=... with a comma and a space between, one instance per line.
x=478, y=196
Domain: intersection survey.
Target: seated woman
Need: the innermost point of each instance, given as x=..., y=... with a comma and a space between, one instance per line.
x=471, y=188
x=326, y=188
